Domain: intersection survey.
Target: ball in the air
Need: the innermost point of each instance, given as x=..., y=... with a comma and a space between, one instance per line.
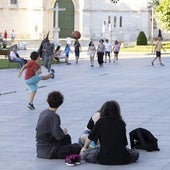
x=76, y=35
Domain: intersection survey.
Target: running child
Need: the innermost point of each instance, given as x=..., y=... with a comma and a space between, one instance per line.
x=33, y=76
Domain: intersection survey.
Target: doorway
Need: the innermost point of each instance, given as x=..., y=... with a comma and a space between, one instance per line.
x=65, y=18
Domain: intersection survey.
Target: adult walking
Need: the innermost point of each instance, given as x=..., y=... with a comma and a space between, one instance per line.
x=108, y=47
x=49, y=51
x=77, y=49
x=100, y=52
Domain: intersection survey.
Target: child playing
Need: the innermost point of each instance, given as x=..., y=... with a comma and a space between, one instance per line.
x=32, y=76
x=158, y=48
x=67, y=51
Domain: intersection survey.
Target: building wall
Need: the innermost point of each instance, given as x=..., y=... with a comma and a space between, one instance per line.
x=26, y=18
x=33, y=19
x=134, y=19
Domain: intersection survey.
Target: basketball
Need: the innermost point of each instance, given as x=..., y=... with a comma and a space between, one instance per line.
x=76, y=35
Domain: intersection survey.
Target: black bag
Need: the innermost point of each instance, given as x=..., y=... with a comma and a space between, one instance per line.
x=141, y=138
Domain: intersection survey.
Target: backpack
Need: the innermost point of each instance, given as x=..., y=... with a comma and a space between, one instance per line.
x=141, y=138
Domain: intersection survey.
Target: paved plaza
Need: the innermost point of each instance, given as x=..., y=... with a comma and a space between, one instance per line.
x=143, y=92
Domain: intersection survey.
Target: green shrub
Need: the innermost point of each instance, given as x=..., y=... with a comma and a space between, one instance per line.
x=141, y=39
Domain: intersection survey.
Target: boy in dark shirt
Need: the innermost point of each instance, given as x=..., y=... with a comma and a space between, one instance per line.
x=53, y=142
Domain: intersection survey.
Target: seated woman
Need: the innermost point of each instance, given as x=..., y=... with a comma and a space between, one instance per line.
x=110, y=130
x=60, y=55
x=87, y=130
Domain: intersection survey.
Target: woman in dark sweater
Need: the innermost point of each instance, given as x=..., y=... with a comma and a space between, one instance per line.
x=110, y=130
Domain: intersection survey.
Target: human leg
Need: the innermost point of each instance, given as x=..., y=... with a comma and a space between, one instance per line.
x=134, y=154
x=106, y=56
x=49, y=63
x=109, y=56
x=90, y=155
x=69, y=149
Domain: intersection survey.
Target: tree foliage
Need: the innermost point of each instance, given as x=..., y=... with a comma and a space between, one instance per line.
x=141, y=39
x=162, y=14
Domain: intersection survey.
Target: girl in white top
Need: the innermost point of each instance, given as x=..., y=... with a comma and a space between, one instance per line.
x=91, y=52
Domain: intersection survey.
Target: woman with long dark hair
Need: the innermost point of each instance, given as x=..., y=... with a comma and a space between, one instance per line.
x=110, y=130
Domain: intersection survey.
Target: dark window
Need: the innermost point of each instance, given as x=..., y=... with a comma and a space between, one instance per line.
x=114, y=21
x=120, y=21
x=13, y=1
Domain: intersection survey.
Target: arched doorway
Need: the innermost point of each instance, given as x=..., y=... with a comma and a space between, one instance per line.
x=65, y=18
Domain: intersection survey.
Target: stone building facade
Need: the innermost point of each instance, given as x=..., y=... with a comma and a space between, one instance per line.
x=95, y=19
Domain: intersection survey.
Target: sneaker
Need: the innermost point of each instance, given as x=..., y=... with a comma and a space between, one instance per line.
x=77, y=159
x=152, y=63
x=52, y=71
x=52, y=75
x=31, y=106
x=70, y=160
x=162, y=64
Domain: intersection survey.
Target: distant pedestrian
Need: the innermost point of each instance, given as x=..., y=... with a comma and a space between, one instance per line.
x=12, y=36
x=108, y=48
x=100, y=52
x=59, y=54
x=91, y=52
x=5, y=35
x=40, y=50
x=49, y=51
x=68, y=40
x=158, y=48
x=77, y=49
x=67, y=50
x=33, y=76
x=116, y=49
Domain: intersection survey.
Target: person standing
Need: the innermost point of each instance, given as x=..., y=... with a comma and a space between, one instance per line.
x=49, y=51
x=12, y=36
x=116, y=49
x=108, y=48
x=67, y=51
x=52, y=141
x=110, y=130
x=91, y=52
x=158, y=48
x=5, y=35
x=33, y=76
x=77, y=49
x=100, y=52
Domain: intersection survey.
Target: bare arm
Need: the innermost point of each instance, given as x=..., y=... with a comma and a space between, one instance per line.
x=21, y=70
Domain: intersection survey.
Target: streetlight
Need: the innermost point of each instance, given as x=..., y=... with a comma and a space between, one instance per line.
x=151, y=5
x=109, y=23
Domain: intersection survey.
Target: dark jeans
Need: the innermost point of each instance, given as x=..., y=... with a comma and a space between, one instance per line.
x=100, y=57
x=66, y=148
x=90, y=155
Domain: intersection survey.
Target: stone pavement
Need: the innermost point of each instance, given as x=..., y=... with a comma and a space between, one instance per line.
x=141, y=90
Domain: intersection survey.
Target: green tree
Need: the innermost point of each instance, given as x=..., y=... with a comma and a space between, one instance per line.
x=162, y=14
x=141, y=39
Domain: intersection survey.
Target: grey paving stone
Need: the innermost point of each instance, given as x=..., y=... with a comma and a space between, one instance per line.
x=142, y=91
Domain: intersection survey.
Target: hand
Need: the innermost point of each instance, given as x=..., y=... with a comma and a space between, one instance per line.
x=19, y=74
x=82, y=150
x=65, y=131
